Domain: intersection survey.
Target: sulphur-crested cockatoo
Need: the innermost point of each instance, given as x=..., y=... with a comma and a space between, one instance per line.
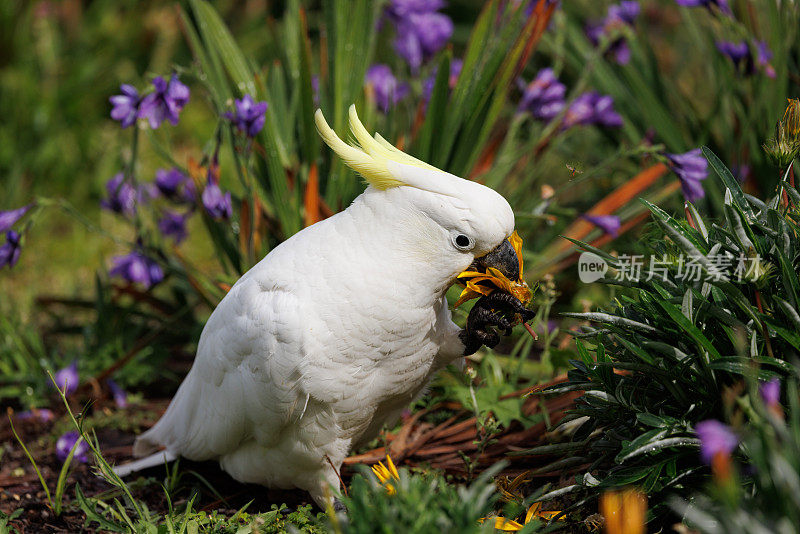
x=338, y=329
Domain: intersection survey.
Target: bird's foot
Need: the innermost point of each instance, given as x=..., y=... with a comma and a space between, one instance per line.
x=492, y=313
x=338, y=506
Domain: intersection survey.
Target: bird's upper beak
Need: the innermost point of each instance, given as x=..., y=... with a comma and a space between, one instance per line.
x=499, y=269
x=503, y=258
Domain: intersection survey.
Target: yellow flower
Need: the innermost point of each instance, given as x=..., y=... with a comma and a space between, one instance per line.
x=624, y=511
x=535, y=511
x=478, y=284
x=386, y=474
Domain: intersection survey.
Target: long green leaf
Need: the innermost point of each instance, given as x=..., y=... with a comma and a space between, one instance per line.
x=730, y=182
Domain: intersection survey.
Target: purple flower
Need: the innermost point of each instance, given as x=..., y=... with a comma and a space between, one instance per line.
x=739, y=53
x=546, y=327
x=608, y=223
x=165, y=102
x=624, y=13
x=42, y=414
x=430, y=81
x=421, y=31
x=740, y=172
x=432, y=29
x=137, y=268
x=120, y=397
x=217, y=204
x=592, y=108
x=11, y=249
x=122, y=196
x=385, y=87
x=126, y=105
x=249, y=116
x=10, y=218
x=67, y=379
x=175, y=185
x=692, y=168
x=315, y=88
x=65, y=444
x=544, y=96
x=763, y=57
x=770, y=392
x=174, y=225
x=715, y=438
x=403, y=8
x=722, y=5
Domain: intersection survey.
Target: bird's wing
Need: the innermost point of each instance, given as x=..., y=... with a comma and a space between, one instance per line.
x=244, y=382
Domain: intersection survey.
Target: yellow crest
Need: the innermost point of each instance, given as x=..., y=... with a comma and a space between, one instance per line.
x=370, y=157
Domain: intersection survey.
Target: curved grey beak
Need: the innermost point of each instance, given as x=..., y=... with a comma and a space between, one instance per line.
x=503, y=258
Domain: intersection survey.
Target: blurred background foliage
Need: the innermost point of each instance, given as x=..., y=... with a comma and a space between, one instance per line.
x=572, y=110
x=671, y=89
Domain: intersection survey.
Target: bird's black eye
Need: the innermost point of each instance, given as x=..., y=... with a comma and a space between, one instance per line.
x=462, y=241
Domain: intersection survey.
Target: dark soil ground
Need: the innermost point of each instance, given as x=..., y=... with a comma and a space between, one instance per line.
x=20, y=487
x=436, y=437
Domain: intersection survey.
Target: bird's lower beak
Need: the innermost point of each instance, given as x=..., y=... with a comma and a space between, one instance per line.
x=503, y=258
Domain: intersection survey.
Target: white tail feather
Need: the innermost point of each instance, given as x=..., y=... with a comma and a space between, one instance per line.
x=158, y=458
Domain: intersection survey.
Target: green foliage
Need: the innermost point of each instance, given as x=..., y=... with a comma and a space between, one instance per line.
x=678, y=85
x=674, y=345
x=422, y=503
x=767, y=500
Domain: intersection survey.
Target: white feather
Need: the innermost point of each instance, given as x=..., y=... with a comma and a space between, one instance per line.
x=329, y=337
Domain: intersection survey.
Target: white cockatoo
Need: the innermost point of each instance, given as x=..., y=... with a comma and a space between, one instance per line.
x=338, y=329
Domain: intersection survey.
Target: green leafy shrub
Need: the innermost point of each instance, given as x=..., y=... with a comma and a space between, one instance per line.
x=764, y=496
x=674, y=345
x=424, y=503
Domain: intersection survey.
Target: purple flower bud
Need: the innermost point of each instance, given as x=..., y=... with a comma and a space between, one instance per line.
x=11, y=249
x=315, y=88
x=137, y=268
x=67, y=379
x=404, y=8
x=770, y=392
x=169, y=181
x=421, y=31
x=592, y=108
x=692, y=168
x=122, y=196
x=624, y=13
x=430, y=81
x=165, y=103
x=385, y=87
x=120, y=397
x=10, y=218
x=544, y=96
x=740, y=172
x=42, y=414
x=546, y=327
x=217, y=204
x=174, y=225
x=715, y=438
x=65, y=444
x=125, y=106
x=608, y=223
x=408, y=47
x=739, y=53
x=433, y=31
x=763, y=57
x=604, y=113
x=249, y=116
x=722, y=5
x=175, y=186
x=594, y=32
